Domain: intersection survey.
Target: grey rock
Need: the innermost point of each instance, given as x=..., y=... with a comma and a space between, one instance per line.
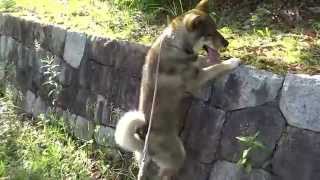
x=102, y=113
x=194, y=170
x=125, y=91
x=223, y=170
x=130, y=58
x=30, y=98
x=105, y=136
x=67, y=96
x=3, y=18
x=57, y=41
x=74, y=48
x=28, y=36
x=2, y=73
x=300, y=101
x=125, y=56
x=103, y=50
x=12, y=27
x=8, y=48
x=297, y=156
x=202, y=129
x=39, y=107
x=246, y=87
x=11, y=54
x=205, y=92
x=39, y=35
x=84, y=129
x=23, y=68
x=68, y=75
x=265, y=119
x=3, y=42
x=84, y=104
x=96, y=77
x=69, y=120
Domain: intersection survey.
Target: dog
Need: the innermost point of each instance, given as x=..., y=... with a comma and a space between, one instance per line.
x=181, y=73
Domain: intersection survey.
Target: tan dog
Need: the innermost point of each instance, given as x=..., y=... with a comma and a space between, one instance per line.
x=180, y=74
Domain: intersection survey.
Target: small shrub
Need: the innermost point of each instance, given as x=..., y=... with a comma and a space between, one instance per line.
x=251, y=143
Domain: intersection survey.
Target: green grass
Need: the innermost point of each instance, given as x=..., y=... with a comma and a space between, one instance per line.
x=254, y=37
x=42, y=149
x=95, y=17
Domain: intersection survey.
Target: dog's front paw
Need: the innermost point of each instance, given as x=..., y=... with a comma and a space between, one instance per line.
x=232, y=63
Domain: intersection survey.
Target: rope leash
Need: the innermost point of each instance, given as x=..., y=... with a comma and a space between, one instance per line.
x=146, y=143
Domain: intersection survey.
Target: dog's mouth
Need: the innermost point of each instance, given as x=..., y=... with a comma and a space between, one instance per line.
x=213, y=55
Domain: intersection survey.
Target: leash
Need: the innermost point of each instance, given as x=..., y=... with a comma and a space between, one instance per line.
x=145, y=159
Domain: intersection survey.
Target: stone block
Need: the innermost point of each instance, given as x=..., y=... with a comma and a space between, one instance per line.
x=124, y=56
x=103, y=50
x=96, y=77
x=202, y=132
x=39, y=107
x=130, y=58
x=246, y=87
x=125, y=91
x=297, y=156
x=3, y=18
x=68, y=75
x=67, y=96
x=300, y=101
x=28, y=30
x=84, y=129
x=74, y=50
x=57, y=39
x=223, y=170
x=30, y=98
x=12, y=28
x=194, y=170
x=105, y=136
x=84, y=104
x=266, y=119
x=205, y=92
x=102, y=113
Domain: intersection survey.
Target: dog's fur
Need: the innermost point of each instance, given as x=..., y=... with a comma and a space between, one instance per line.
x=180, y=74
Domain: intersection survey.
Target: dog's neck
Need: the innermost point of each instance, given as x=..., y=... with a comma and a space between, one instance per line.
x=174, y=37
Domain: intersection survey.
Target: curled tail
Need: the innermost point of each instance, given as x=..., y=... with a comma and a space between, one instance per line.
x=125, y=134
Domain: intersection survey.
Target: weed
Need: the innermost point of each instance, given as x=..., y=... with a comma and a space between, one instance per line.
x=51, y=72
x=251, y=144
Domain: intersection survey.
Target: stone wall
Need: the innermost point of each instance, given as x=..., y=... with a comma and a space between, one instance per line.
x=100, y=79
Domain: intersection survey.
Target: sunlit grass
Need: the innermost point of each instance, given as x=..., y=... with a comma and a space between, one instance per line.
x=42, y=149
x=253, y=37
x=100, y=18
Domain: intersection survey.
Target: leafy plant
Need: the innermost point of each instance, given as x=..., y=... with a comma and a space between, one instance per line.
x=51, y=73
x=251, y=144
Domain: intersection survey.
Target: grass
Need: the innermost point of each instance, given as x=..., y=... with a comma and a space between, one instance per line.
x=95, y=17
x=42, y=149
x=254, y=37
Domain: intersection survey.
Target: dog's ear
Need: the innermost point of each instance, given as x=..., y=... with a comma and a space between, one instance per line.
x=203, y=5
x=192, y=21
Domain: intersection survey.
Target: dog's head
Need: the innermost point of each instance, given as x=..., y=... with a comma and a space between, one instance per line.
x=201, y=31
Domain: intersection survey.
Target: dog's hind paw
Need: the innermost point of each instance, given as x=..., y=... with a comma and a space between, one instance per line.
x=232, y=63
